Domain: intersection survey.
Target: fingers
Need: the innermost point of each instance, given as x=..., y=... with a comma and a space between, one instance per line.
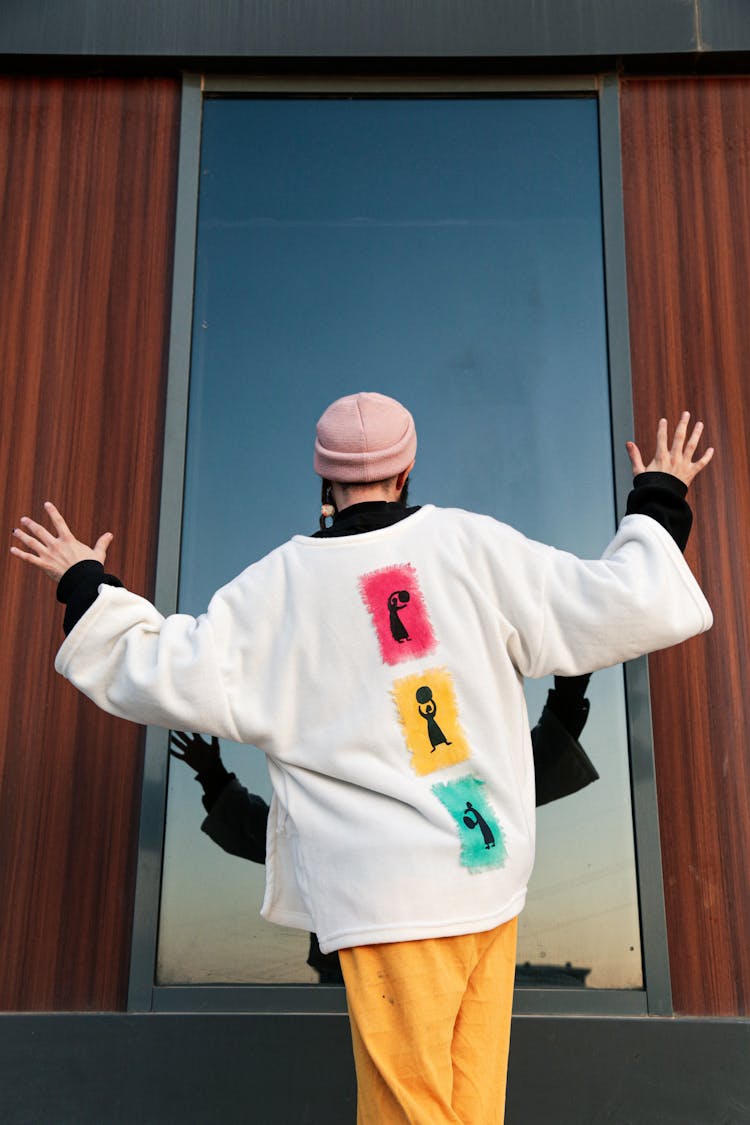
x=102, y=545
x=33, y=559
x=55, y=553
x=703, y=461
x=61, y=527
x=28, y=540
x=42, y=556
x=678, y=440
x=174, y=754
x=682, y=451
x=636, y=460
x=42, y=533
x=675, y=458
x=694, y=439
x=662, y=447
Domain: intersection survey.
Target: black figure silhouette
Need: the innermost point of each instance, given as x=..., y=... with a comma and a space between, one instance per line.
x=397, y=601
x=479, y=822
x=428, y=709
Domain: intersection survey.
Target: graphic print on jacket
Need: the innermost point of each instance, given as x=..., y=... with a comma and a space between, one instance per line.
x=419, y=699
x=428, y=711
x=482, y=840
x=399, y=614
x=397, y=601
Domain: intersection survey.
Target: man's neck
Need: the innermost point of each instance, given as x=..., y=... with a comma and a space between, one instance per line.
x=368, y=515
x=344, y=497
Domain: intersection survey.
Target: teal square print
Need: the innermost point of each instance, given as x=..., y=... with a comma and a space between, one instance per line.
x=482, y=840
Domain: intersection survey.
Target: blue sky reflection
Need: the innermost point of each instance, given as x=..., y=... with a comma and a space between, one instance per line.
x=447, y=252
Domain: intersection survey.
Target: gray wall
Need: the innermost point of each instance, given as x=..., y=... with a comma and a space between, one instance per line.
x=283, y=1069
x=246, y=29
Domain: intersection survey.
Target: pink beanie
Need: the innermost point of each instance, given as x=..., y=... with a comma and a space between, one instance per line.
x=363, y=438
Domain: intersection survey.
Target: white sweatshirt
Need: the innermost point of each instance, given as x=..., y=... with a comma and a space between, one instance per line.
x=381, y=674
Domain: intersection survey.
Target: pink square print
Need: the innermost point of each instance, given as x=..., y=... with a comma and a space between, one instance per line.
x=398, y=612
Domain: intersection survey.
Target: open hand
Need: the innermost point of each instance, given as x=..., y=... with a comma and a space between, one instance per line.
x=55, y=553
x=196, y=752
x=676, y=459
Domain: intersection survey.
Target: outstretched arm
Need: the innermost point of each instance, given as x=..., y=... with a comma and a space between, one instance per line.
x=640, y=596
x=237, y=820
x=141, y=666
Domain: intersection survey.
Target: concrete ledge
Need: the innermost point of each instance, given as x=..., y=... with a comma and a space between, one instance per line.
x=158, y=1069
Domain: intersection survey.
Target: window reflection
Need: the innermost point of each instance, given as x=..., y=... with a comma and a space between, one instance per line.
x=447, y=252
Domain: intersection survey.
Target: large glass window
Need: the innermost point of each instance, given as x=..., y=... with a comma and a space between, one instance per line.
x=447, y=251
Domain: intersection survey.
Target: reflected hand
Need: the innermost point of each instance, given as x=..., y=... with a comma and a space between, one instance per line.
x=196, y=752
x=54, y=554
x=676, y=459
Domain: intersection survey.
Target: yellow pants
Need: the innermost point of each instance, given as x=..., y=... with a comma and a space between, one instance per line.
x=431, y=1027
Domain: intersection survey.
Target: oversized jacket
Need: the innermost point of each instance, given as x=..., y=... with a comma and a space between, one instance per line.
x=382, y=674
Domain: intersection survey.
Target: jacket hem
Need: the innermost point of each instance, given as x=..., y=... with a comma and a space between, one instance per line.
x=416, y=931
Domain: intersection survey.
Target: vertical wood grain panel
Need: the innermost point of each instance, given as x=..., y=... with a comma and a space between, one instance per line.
x=87, y=183
x=686, y=169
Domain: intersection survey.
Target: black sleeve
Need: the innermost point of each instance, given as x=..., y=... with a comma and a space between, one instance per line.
x=78, y=589
x=662, y=497
x=214, y=780
x=567, y=701
x=561, y=765
x=238, y=822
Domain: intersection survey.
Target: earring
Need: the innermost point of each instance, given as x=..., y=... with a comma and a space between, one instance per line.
x=327, y=509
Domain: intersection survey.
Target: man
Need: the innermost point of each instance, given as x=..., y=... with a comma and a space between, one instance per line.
x=407, y=853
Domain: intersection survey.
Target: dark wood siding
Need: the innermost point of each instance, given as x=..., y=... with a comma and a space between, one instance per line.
x=87, y=184
x=686, y=165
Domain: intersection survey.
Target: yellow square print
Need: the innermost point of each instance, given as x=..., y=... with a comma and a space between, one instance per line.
x=428, y=711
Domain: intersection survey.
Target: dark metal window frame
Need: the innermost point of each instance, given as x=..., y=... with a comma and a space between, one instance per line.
x=144, y=995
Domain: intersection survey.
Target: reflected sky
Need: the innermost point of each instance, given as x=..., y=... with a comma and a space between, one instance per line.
x=447, y=252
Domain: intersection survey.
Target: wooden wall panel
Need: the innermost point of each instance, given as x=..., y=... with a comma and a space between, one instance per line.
x=686, y=167
x=87, y=186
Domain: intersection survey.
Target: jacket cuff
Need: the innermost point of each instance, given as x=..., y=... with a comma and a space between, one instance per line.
x=661, y=480
x=78, y=589
x=661, y=496
x=87, y=570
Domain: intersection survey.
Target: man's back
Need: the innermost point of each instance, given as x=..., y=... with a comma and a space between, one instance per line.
x=395, y=727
